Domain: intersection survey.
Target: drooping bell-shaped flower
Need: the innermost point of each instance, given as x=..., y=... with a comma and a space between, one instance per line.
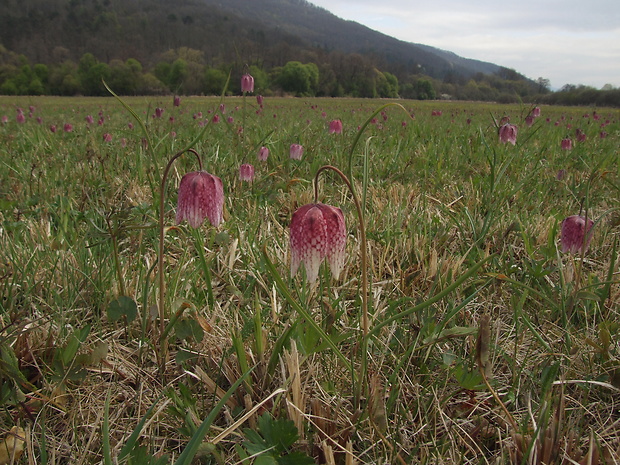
x=508, y=133
x=247, y=83
x=263, y=154
x=296, y=151
x=335, y=127
x=201, y=195
x=575, y=236
x=246, y=172
x=566, y=144
x=317, y=232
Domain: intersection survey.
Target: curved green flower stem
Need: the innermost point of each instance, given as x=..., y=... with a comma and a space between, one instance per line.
x=361, y=131
x=160, y=257
x=364, y=272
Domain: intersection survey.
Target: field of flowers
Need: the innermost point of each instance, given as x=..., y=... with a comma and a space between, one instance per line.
x=297, y=281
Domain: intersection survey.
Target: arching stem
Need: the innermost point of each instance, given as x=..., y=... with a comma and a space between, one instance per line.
x=365, y=324
x=160, y=257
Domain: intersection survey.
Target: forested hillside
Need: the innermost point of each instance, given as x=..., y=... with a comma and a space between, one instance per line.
x=191, y=46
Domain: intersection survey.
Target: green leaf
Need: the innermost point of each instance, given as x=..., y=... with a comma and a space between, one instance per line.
x=281, y=433
x=122, y=307
x=296, y=458
x=67, y=354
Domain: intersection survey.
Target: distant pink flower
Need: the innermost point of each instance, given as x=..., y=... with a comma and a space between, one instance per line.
x=20, y=118
x=158, y=112
x=222, y=108
x=560, y=175
x=130, y=125
x=575, y=236
x=246, y=172
x=101, y=121
x=335, y=127
x=230, y=120
x=296, y=151
x=259, y=100
x=201, y=195
x=263, y=154
x=53, y=128
x=536, y=112
x=603, y=134
x=176, y=101
x=68, y=127
x=529, y=120
x=216, y=118
x=89, y=119
x=31, y=108
x=107, y=137
x=317, y=232
x=508, y=133
x=5, y=119
x=247, y=83
x=566, y=144
x=39, y=119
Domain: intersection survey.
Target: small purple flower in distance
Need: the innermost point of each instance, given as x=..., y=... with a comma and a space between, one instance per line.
x=296, y=151
x=259, y=100
x=176, y=101
x=107, y=137
x=529, y=120
x=317, y=232
x=508, y=133
x=247, y=83
x=536, y=112
x=68, y=127
x=575, y=236
x=53, y=128
x=335, y=127
x=246, y=172
x=20, y=118
x=201, y=195
x=158, y=112
x=263, y=154
x=566, y=144
x=89, y=119
x=5, y=119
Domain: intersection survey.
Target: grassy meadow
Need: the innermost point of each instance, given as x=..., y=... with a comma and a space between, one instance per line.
x=484, y=342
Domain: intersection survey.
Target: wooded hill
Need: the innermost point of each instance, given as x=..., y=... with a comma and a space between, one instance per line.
x=190, y=46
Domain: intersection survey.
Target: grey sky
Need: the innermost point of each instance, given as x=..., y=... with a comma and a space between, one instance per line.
x=565, y=41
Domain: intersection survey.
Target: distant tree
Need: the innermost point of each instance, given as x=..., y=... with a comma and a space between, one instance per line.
x=298, y=78
x=214, y=81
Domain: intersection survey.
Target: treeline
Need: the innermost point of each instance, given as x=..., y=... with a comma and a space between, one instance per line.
x=183, y=71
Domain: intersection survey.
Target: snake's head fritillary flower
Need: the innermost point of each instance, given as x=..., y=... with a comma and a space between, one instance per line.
x=335, y=127
x=246, y=172
x=296, y=151
x=201, y=195
x=176, y=101
x=68, y=127
x=317, y=232
x=566, y=144
x=247, y=83
x=259, y=100
x=575, y=236
x=508, y=133
x=536, y=112
x=263, y=154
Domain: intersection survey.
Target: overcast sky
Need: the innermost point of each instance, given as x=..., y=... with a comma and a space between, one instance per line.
x=565, y=41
